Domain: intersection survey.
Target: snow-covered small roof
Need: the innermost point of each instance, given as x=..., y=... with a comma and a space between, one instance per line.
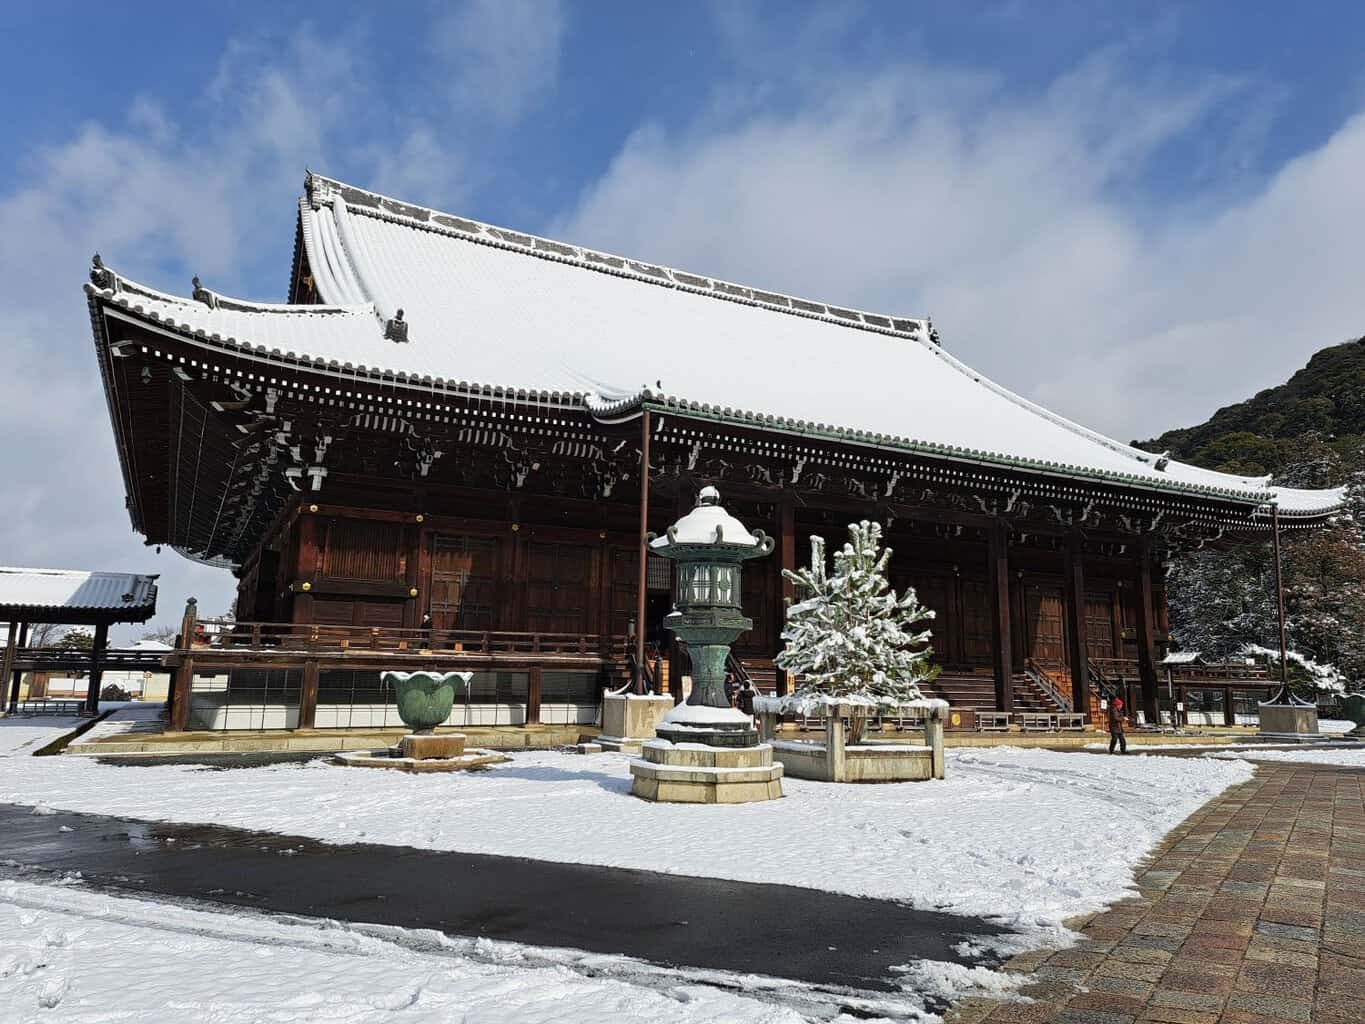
x=65, y=595
x=1181, y=658
x=707, y=523
x=511, y=313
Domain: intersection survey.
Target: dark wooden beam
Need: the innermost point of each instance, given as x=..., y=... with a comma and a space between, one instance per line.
x=308, y=695
x=998, y=569
x=1073, y=591
x=178, y=698
x=7, y=665
x=92, y=694
x=643, y=555
x=1146, y=633
x=786, y=533
x=533, y=691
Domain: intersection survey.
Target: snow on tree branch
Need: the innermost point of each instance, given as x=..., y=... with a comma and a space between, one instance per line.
x=850, y=637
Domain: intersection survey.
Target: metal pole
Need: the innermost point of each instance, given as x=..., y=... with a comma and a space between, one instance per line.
x=639, y=680
x=1279, y=601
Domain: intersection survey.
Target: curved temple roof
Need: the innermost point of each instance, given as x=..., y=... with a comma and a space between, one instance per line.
x=484, y=306
x=67, y=595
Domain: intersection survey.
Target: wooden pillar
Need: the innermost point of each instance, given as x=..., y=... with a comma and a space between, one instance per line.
x=308, y=695
x=998, y=569
x=1229, y=718
x=412, y=558
x=638, y=683
x=533, y=696
x=92, y=693
x=178, y=699
x=1074, y=595
x=307, y=562
x=786, y=512
x=7, y=664
x=1279, y=604
x=683, y=501
x=1146, y=633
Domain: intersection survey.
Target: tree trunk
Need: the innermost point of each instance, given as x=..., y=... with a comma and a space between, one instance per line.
x=857, y=725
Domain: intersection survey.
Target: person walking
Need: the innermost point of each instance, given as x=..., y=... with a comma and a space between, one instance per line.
x=1116, y=736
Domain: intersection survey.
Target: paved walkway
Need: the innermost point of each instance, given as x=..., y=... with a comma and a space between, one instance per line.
x=1251, y=912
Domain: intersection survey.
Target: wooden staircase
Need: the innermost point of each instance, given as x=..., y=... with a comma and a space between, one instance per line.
x=977, y=692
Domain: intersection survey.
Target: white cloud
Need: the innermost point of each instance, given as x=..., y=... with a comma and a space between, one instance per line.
x=1022, y=223
x=498, y=57
x=162, y=198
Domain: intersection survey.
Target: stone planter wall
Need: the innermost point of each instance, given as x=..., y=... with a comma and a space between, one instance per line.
x=836, y=761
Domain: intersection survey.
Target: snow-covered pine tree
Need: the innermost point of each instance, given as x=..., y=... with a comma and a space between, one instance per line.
x=850, y=636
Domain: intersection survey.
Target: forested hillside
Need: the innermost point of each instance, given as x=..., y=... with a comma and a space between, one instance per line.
x=1312, y=423
x=1308, y=432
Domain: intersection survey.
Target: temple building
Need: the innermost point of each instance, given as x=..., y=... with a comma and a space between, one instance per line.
x=433, y=451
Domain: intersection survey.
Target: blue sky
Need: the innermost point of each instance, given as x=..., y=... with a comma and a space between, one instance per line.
x=1131, y=212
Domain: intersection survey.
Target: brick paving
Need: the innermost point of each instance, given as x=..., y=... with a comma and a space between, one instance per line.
x=1252, y=911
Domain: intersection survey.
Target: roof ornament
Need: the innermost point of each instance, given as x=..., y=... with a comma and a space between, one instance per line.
x=202, y=294
x=101, y=276
x=1162, y=461
x=396, y=329
x=933, y=332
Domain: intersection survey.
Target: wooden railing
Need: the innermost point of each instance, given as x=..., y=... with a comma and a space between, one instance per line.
x=1042, y=678
x=56, y=659
x=280, y=637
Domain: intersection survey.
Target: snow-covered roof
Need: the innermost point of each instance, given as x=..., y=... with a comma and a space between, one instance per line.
x=489, y=307
x=1182, y=658
x=31, y=594
x=709, y=523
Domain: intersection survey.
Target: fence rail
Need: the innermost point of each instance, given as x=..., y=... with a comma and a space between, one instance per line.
x=283, y=637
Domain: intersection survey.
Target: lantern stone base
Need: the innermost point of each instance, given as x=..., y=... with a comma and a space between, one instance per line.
x=422, y=752
x=629, y=719
x=421, y=746
x=693, y=773
x=1289, y=720
x=708, y=726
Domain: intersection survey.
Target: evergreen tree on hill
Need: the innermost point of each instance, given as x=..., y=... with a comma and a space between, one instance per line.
x=1307, y=432
x=1317, y=417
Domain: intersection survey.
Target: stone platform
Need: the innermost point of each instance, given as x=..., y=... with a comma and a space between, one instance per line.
x=693, y=773
x=422, y=752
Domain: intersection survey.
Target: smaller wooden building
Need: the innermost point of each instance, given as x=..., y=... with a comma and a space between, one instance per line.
x=29, y=597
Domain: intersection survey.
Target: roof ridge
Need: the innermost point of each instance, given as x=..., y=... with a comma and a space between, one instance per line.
x=122, y=284
x=322, y=190
x=75, y=572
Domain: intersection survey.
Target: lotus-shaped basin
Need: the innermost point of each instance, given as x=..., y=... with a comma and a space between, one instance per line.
x=424, y=698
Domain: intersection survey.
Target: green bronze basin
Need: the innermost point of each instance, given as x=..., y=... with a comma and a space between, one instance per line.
x=424, y=698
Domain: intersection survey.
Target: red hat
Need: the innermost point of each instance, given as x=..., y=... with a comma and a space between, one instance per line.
x=1118, y=702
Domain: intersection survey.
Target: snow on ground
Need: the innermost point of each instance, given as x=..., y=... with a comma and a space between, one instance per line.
x=1351, y=757
x=82, y=957
x=24, y=735
x=1025, y=837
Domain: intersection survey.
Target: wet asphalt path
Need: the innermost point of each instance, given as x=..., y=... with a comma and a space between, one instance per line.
x=782, y=931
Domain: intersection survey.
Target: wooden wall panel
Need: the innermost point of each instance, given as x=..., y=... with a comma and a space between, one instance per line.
x=976, y=622
x=348, y=611
x=1044, y=636
x=557, y=587
x=364, y=551
x=466, y=578
x=1099, y=624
